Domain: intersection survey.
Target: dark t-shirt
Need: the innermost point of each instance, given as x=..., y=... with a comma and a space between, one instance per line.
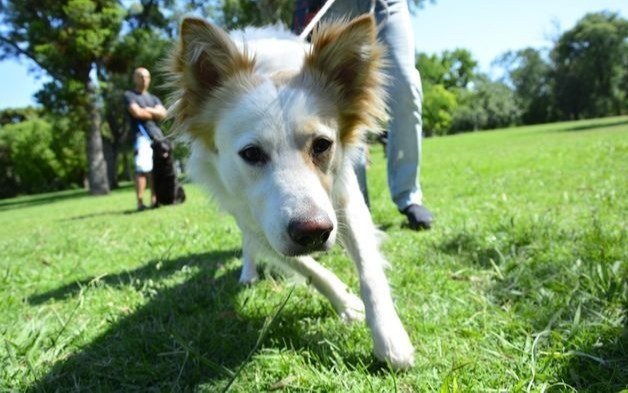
x=145, y=100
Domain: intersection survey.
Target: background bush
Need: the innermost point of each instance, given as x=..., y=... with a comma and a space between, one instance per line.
x=38, y=155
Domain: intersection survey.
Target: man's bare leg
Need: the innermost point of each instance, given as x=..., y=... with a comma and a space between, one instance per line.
x=141, y=180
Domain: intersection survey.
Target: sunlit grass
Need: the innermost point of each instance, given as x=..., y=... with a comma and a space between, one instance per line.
x=520, y=286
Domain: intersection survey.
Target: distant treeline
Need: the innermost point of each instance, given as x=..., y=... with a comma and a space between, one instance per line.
x=584, y=75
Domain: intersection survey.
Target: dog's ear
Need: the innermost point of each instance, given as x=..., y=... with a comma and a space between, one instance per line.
x=348, y=59
x=207, y=55
x=204, y=58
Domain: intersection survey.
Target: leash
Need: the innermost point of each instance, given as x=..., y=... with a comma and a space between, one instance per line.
x=310, y=26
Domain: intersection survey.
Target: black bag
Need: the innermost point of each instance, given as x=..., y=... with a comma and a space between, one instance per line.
x=168, y=191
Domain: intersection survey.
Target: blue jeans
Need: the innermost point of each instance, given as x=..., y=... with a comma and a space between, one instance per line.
x=404, y=91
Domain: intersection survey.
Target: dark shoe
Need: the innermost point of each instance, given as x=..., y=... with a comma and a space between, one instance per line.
x=419, y=217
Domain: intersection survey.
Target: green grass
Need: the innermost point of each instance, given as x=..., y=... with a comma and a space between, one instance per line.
x=520, y=286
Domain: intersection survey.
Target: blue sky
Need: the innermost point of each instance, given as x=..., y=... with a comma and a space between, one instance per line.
x=487, y=28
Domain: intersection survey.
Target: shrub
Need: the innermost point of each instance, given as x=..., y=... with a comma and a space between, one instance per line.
x=438, y=105
x=36, y=157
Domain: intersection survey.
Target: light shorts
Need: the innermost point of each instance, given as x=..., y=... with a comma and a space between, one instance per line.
x=143, y=155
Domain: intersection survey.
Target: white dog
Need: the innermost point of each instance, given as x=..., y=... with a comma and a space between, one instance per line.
x=275, y=124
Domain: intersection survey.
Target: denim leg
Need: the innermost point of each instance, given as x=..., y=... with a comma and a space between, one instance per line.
x=359, y=167
x=404, y=92
x=405, y=96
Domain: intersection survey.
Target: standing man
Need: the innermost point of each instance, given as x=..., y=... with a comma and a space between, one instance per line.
x=145, y=110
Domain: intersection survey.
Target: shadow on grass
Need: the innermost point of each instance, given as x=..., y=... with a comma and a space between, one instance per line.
x=193, y=333
x=601, y=365
x=50, y=197
x=586, y=127
x=541, y=290
x=41, y=199
x=468, y=247
x=112, y=213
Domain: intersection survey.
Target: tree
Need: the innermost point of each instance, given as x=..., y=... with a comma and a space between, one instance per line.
x=445, y=78
x=431, y=68
x=18, y=115
x=470, y=115
x=529, y=75
x=486, y=105
x=438, y=106
x=39, y=154
x=590, y=67
x=239, y=13
x=498, y=100
x=460, y=67
x=67, y=40
x=452, y=69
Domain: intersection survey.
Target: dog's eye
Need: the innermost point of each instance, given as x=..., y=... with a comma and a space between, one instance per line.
x=320, y=146
x=253, y=155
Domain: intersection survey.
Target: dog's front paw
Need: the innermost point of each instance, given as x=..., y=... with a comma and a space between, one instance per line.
x=352, y=309
x=392, y=345
x=248, y=275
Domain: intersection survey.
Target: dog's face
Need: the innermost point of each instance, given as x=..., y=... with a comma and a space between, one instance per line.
x=279, y=138
x=278, y=152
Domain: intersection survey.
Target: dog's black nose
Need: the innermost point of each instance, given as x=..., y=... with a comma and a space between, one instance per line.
x=310, y=233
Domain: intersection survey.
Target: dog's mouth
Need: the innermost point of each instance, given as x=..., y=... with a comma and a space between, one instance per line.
x=295, y=250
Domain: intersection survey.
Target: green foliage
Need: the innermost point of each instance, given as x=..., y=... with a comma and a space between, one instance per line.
x=431, y=68
x=240, y=13
x=529, y=75
x=486, y=106
x=585, y=76
x=17, y=115
x=457, y=98
x=73, y=35
x=460, y=67
x=69, y=147
x=438, y=106
x=67, y=39
x=452, y=69
x=520, y=285
x=38, y=154
x=26, y=161
x=470, y=114
x=498, y=102
x=590, y=67
x=449, y=104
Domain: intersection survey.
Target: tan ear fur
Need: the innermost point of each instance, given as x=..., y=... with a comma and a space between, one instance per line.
x=347, y=59
x=203, y=60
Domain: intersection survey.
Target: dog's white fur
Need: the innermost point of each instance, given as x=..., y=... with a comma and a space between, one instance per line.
x=269, y=90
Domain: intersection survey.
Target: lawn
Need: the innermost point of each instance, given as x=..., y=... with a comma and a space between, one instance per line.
x=520, y=286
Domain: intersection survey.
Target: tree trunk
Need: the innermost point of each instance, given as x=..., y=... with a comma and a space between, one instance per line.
x=97, y=174
x=110, y=150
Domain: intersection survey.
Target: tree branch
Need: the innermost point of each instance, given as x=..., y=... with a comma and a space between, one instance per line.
x=146, y=13
x=23, y=52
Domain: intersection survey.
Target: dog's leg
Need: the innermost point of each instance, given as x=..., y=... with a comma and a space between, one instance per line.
x=391, y=342
x=347, y=305
x=248, y=275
